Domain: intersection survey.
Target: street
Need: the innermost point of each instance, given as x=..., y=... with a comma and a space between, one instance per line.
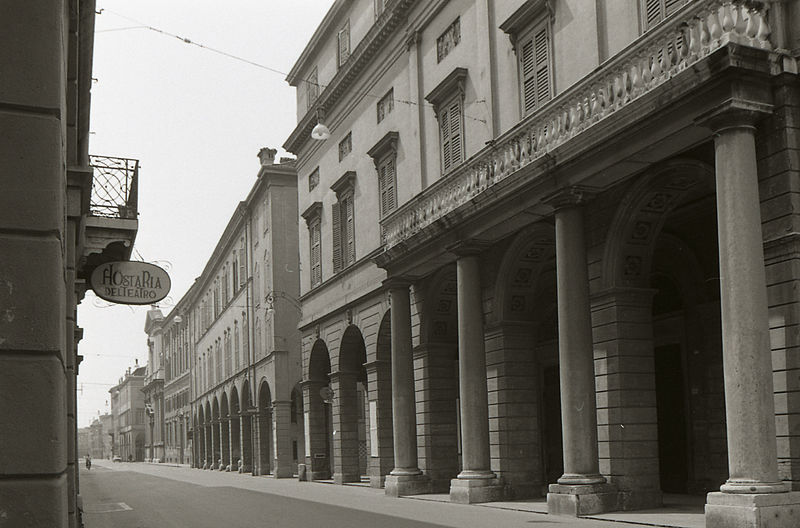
x=137, y=495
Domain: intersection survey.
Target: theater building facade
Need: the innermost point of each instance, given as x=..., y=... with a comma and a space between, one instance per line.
x=551, y=248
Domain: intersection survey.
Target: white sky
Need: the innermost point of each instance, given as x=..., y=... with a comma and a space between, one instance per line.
x=195, y=120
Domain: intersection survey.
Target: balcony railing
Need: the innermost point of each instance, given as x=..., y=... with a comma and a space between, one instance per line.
x=114, y=187
x=688, y=36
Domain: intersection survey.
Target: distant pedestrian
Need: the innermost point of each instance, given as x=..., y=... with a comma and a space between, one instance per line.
x=88, y=461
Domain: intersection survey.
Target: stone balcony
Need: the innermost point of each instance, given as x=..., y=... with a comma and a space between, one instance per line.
x=578, y=118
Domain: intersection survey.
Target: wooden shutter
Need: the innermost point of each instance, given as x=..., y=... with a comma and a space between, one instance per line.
x=350, y=230
x=386, y=184
x=344, y=43
x=337, y=237
x=654, y=12
x=534, y=57
x=456, y=152
x=242, y=260
x=316, y=253
x=444, y=124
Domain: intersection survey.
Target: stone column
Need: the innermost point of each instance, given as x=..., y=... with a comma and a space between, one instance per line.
x=581, y=490
x=406, y=477
x=476, y=482
x=230, y=449
x=214, y=442
x=282, y=438
x=754, y=491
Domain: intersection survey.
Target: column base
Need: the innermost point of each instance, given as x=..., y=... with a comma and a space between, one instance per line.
x=377, y=481
x=474, y=490
x=403, y=485
x=581, y=499
x=764, y=510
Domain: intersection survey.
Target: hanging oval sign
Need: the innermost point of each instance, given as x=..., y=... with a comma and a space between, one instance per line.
x=130, y=282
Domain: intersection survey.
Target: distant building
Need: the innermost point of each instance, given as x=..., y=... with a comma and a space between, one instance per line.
x=99, y=437
x=153, y=388
x=228, y=354
x=84, y=442
x=128, y=411
x=550, y=248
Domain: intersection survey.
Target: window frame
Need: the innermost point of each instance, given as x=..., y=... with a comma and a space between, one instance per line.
x=343, y=44
x=343, y=227
x=313, y=217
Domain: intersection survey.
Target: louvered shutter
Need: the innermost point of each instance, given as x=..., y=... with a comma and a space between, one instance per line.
x=344, y=43
x=653, y=12
x=316, y=255
x=350, y=230
x=387, y=185
x=242, y=277
x=456, y=152
x=444, y=124
x=337, y=237
x=528, y=68
x=542, y=56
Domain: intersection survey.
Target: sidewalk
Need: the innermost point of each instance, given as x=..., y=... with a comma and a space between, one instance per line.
x=678, y=512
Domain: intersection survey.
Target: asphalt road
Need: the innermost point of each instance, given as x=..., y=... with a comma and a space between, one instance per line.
x=127, y=495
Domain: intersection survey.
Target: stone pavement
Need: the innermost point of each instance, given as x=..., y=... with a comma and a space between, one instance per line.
x=678, y=512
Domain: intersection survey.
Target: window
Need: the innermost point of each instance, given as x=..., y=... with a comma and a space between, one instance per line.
x=380, y=5
x=448, y=103
x=655, y=11
x=343, y=222
x=384, y=155
x=387, y=183
x=312, y=216
x=451, y=125
x=448, y=40
x=313, y=179
x=345, y=146
x=343, y=52
x=312, y=88
x=265, y=217
x=236, y=362
x=385, y=105
x=528, y=29
x=534, y=68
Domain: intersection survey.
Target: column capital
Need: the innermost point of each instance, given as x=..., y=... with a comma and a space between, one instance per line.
x=570, y=197
x=468, y=248
x=374, y=365
x=734, y=113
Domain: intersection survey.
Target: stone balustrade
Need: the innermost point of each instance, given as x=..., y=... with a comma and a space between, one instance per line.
x=702, y=27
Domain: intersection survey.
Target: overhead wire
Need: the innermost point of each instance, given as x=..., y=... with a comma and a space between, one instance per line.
x=192, y=42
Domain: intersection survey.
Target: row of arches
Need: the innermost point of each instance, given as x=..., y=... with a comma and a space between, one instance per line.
x=235, y=435
x=653, y=261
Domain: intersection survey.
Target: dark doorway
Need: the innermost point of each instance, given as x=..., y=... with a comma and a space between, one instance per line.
x=552, y=455
x=672, y=435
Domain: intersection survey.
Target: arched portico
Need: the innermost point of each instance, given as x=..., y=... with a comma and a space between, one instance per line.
x=246, y=424
x=317, y=418
x=264, y=420
x=216, y=437
x=235, y=430
x=380, y=441
x=436, y=362
x=522, y=362
x=349, y=409
x=657, y=339
x=225, y=433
